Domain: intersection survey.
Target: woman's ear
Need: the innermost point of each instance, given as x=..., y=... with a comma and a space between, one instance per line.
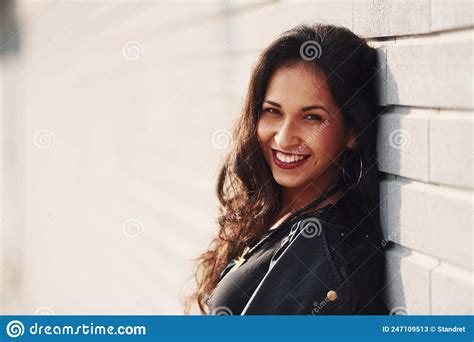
x=351, y=140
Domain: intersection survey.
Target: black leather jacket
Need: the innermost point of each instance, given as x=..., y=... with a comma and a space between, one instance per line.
x=331, y=263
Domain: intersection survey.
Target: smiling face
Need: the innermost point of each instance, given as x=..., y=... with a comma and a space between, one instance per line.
x=300, y=129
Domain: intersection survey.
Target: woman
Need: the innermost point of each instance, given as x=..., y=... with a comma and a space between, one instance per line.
x=299, y=191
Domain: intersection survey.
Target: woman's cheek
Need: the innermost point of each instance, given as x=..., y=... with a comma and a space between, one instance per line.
x=330, y=140
x=323, y=148
x=263, y=131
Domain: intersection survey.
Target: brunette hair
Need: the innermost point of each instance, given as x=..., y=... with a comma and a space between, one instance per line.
x=250, y=199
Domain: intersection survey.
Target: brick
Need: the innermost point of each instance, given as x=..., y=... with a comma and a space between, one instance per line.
x=408, y=277
x=451, y=149
x=253, y=30
x=402, y=143
x=391, y=18
x=431, y=71
x=451, y=14
x=258, y=28
x=433, y=220
x=381, y=76
x=452, y=290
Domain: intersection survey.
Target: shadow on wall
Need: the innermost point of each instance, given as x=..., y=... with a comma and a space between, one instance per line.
x=390, y=143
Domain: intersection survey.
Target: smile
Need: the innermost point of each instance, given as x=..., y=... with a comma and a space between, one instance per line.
x=288, y=161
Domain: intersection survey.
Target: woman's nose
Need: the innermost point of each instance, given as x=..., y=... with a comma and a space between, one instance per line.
x=286, y=136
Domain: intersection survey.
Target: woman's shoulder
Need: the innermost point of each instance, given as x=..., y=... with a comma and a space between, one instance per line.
x=350, y=233
x=353, y=250
x=346, y=220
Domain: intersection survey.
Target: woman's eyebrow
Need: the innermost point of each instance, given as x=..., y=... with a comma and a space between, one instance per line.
x=304, y=109
x=273, y=103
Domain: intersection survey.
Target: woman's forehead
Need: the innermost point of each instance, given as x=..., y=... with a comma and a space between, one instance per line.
x=298, y=84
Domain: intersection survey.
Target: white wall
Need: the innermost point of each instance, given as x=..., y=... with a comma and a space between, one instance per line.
x=108, y=165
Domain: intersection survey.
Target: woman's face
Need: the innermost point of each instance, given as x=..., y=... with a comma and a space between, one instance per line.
x=300, y=129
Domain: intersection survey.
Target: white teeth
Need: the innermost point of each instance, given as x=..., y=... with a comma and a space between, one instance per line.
x=288, y=159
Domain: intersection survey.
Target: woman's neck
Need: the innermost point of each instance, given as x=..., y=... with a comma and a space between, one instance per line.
x=296, y=198
x=301, y=201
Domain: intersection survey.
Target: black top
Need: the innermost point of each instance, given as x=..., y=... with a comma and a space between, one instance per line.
x=351, y=259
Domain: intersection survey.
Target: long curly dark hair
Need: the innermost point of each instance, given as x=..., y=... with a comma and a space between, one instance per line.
x=250, y=198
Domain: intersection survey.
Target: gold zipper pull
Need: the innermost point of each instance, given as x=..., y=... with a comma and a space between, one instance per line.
x=239, y=260
x=246, y=249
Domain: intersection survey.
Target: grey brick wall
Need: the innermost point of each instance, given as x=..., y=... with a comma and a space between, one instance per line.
x=114, y=122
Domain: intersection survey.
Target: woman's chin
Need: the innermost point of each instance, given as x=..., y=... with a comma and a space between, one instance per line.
x=289, y=181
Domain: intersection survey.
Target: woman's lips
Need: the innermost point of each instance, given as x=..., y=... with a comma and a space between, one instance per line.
x=291, y=165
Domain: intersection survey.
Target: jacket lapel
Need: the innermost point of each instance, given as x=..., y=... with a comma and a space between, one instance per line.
x=300, y=276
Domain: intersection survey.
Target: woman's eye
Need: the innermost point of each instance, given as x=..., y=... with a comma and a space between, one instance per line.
x=272, y=110
x=314, y=117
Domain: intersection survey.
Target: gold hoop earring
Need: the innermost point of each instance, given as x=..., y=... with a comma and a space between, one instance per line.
x=344, y=172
